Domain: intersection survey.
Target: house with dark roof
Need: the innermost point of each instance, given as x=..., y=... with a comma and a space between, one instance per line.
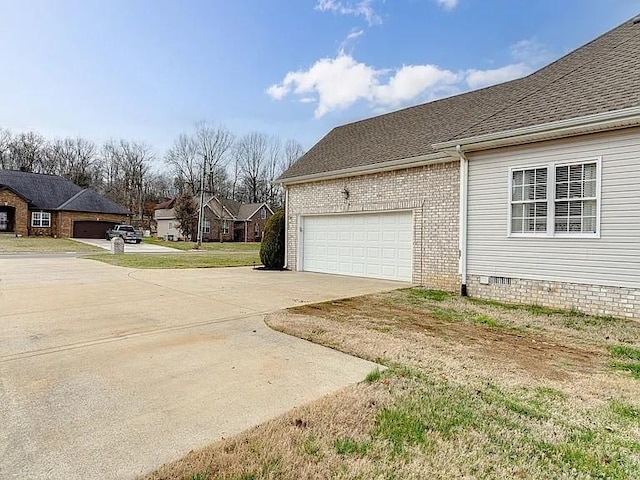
x=224, y=220
x=34, y=204
x=525, y=192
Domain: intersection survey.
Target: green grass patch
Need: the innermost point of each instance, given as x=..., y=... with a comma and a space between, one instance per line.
x=400, y=426
x=625, y=410
x=448, y=314
x=183, y=260
x=373, y=376
x=207, y=246
x=434, y=295
x=632, y=367
x=625, y=351
x=349, y=446
x=514, y=426
x=486, y=321
x=43, y=245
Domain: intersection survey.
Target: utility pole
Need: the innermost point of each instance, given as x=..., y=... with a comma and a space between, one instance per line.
x=201, y=206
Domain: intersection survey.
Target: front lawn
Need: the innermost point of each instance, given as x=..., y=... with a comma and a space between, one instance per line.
x=473, y=390
x=43, y=245
x=208, y=246
x=182, y=260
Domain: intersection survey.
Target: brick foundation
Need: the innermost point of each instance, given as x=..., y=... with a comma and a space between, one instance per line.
x=591, y=299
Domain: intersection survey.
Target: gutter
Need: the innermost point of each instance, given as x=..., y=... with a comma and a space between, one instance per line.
x=627, y=117
x=409, y=162
x=462, y=232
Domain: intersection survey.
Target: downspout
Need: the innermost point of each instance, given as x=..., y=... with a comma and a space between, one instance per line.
x=462, y=233
x=286, y=228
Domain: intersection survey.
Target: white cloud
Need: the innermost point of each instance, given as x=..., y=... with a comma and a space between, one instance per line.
x=410, y=82
x=362, y=8
x=483, y=78
x=530, y=51
x=354, y=34
x=340, y=82
x=447, y=4
x=276, y=91
x=337, y=83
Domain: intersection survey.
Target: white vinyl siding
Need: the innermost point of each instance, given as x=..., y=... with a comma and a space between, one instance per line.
x=612, y=258
x=376, y=245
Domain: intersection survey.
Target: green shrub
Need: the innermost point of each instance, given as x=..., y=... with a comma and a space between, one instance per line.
x=272, y=248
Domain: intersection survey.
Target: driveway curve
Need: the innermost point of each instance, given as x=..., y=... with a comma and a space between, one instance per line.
x=108, y=372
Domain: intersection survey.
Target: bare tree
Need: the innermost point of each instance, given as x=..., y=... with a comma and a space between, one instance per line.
x=292, y=152
x=252, y=150
x=182, y=159
x=27, y=150
x=6, y=161
x=73, y=158
x=272, y=171
x=213, y=144
x=126, y=166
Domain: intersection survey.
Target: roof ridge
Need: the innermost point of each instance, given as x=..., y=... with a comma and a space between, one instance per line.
x=71, y=199
x=550, y=82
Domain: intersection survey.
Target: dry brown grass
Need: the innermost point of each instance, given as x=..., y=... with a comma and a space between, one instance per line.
x=474, y=390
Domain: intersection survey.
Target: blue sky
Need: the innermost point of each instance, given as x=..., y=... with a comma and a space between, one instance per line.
x=149, y=69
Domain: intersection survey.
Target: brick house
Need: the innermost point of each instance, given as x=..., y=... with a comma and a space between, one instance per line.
x=224, y=220
x=34, y=204
x=526, y=191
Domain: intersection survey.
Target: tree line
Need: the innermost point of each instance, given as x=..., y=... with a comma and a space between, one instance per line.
x=210, y=158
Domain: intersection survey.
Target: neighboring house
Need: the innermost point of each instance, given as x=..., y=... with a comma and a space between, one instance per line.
x=526, y=192
x=34, y=204
x=166, y=224
x=223, y=218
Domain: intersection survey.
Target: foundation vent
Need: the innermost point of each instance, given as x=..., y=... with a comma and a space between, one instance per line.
x=499, y=281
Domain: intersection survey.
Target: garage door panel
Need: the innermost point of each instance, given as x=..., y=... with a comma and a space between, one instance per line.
x=374, y=245
x=91, y=229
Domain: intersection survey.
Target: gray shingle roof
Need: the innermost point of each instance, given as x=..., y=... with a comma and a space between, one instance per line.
x=247, y=210
x=51, y=192
x=597, y=77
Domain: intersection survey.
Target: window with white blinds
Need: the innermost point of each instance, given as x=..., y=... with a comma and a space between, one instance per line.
x=529, y=200
x=555, y=200
x=576, y=202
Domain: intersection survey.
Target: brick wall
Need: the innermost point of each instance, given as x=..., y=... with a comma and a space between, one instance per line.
x=64, y=221
x=430, y=192
x=22, y=216
x=590, y=299
x=251, y=227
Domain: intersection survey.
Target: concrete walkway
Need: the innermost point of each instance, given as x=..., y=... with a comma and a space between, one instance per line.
x=128, y=247
x=107, y=372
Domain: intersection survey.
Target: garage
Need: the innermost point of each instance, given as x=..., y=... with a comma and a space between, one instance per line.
x=376, y=245
x=91, y=229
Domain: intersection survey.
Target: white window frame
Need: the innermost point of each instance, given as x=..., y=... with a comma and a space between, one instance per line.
x=206, y=226
x=263, y=213
x=256, y=229
x=510, y=202
x=38, y=219
x=225, y=227
x=551, y=199
x=170, y=226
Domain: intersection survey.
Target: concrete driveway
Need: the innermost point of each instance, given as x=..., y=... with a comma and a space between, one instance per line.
x=107, y=372
x=128, y=246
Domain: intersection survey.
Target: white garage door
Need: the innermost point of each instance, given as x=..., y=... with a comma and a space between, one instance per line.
x=376, y=245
